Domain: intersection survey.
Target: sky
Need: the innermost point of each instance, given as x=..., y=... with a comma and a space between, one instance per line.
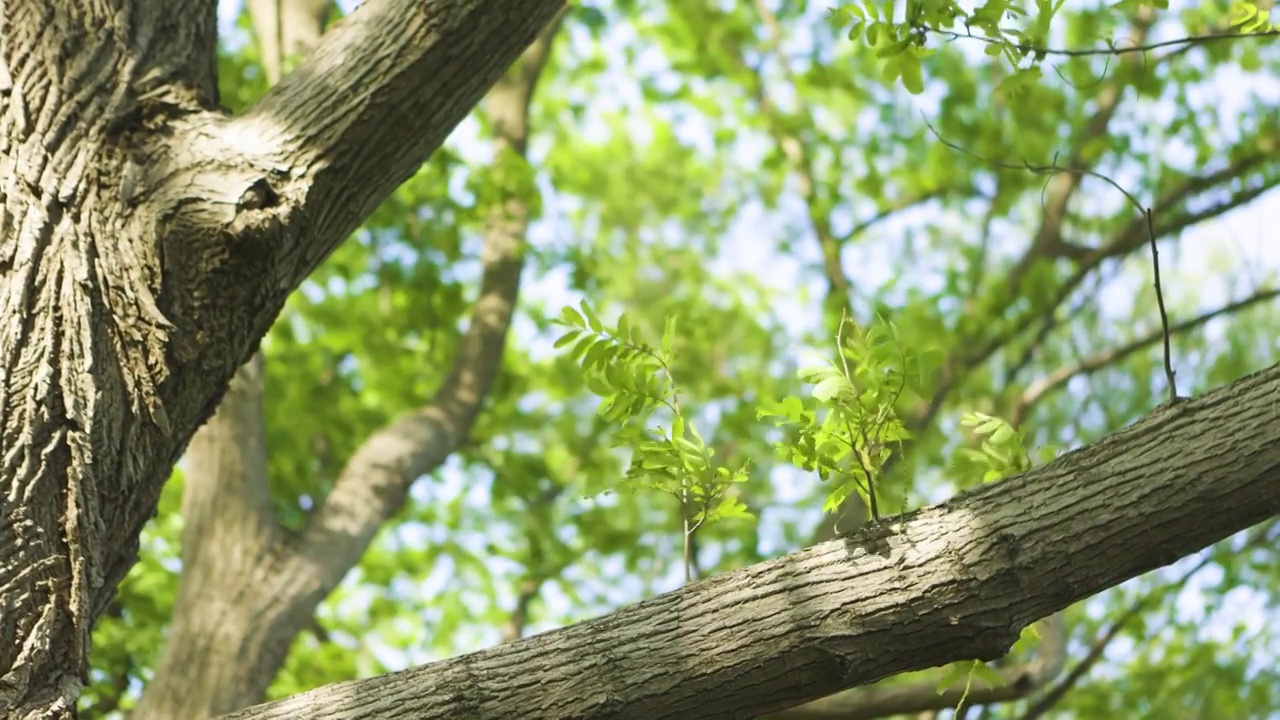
x=1242, y=238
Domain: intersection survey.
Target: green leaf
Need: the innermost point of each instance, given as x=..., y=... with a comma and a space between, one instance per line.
x=569, y=316
x=593, y=321
x=566, y=339
x=891, y=69
x=1003, y=434
x=874, y=32
x=987, y=674
x=668, y=336
x=912, y=77
x=830, y=388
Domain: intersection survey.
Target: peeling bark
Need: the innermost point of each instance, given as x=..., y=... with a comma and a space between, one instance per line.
x=146, y=244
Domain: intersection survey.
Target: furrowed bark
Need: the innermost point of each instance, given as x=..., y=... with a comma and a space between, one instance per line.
x=146, y=244
x=86, y=422
x=240, y=609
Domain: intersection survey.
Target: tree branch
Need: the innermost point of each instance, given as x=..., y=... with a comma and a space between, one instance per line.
x=1099, y=646
x=869, y=703
x=1047, y=241
x=1182, y=43
x=1037, y=390
x=800, y=157
x=1127, y=240
x=949, y=583
x=382, y=91
x=373, y=485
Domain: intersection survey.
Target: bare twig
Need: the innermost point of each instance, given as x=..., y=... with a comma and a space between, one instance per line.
x=1164, y=315
x=1110, y=50
x=1040, y=388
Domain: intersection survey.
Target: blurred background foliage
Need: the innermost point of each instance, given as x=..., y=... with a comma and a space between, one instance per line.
x=743, y=166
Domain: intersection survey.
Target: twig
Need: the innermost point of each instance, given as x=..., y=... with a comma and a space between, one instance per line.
x=1110, y=50
x=1038, y=389
x=1164, y=316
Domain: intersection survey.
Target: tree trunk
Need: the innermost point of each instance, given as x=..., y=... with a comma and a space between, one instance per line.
x=146, y=244
x=241, y=605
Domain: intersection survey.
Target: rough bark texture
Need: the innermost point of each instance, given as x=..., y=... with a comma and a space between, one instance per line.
x=1017, y=682
x=218, y=655
x=146, y=244
x=950, y=582
x=241, y=605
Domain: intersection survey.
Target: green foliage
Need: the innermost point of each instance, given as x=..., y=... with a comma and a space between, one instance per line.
x=701, y=161
x=1247, y=17
x=1002, y=451
x=633, y=379
x=1017, y=31
x=852, y=428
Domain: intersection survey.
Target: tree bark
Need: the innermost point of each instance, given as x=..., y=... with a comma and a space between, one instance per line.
x=946, y=583
x=147, y=242
x=241, y=606
x=218, y=654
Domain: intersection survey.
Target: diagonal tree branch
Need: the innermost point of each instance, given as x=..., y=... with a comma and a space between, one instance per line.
x=1134, y=233
x=1042, y=387
x=387, y=112
x=950, y=582
x=1019, y=681
x=1043, y=704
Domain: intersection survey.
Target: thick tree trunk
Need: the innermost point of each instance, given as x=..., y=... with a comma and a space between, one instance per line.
x=147, y=242
x=951, y=582
x=93, y=411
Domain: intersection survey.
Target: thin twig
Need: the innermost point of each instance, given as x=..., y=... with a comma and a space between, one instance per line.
x=1040, y=388
x=1110, y=50
x=1164, y=316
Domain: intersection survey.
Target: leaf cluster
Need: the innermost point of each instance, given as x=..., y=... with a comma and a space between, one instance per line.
x=634, y=379
x=851, y=426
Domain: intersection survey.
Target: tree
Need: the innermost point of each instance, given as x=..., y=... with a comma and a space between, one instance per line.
x=150, y=241
x=258, y=559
